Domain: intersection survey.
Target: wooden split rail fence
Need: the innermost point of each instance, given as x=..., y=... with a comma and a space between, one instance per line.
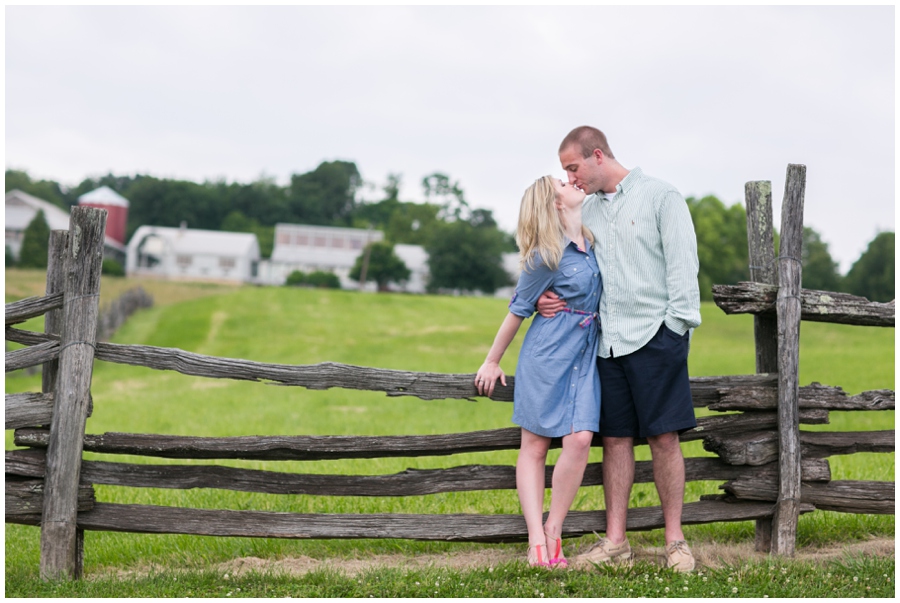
x=771, y=470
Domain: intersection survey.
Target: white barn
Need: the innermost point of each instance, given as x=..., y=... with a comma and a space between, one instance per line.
x=333, y=249
x=193, y=254
x=416, y=259
x=317, y=248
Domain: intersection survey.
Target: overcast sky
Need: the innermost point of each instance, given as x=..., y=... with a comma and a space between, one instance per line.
x=706, y=97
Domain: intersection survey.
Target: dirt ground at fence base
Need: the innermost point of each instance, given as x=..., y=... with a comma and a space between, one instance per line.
x=708, y=555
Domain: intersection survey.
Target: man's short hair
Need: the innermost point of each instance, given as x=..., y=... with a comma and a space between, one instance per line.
x=587, y=139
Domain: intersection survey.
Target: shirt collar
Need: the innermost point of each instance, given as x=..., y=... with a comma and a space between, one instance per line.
x=629, y=180
x=587, y=243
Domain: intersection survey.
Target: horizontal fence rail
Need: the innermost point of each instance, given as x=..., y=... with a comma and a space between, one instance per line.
x=412, y=482
x=150, y=519
x=816, y=306
x=316, y=448
x=735, y=392
x=761, y=447
x=22, y=310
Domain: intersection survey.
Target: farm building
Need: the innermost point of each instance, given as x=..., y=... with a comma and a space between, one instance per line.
x=316, y=248
x=116, y=207
x=332, y=249
x=21, y=208
x=186, y=253
x=416, y=259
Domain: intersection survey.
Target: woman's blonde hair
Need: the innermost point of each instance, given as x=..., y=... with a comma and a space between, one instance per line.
x=540, y=230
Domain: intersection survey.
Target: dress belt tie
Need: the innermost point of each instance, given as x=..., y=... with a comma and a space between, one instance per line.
x=588, y=316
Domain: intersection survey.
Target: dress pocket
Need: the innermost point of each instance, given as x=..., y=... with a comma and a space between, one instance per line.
x=543, y=329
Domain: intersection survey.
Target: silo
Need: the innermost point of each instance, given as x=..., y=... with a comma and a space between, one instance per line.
x=114, y=203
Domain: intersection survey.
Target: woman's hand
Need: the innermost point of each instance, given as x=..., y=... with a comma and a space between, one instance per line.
x=486, y=378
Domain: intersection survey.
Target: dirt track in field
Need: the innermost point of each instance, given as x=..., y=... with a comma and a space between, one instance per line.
x=707, y=555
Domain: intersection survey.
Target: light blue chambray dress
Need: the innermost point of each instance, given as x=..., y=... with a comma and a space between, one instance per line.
x=557, y=389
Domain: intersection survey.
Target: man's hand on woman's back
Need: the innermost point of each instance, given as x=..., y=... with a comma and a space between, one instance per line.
x=549, y=303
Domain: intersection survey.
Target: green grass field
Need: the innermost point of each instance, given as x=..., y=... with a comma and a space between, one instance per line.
x=417, y=333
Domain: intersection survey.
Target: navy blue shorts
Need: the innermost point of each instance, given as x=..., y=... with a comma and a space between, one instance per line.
x=647, y=393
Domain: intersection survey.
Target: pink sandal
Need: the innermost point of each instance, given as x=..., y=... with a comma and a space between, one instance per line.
x=557, y=559
x=539, y=562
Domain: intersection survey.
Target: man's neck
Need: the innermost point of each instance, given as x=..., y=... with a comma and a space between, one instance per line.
x=616, y=176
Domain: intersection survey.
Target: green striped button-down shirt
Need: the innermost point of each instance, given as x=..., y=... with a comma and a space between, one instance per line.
x=647, y=251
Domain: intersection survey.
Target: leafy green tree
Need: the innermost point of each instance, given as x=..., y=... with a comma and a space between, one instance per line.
x=401, y=221
x=170, y=202
x=721, y=243
x=326, y=195
x=262, y=200
x=449, y=196
x=10, y=257
x=382, y=265
x=236, y=221
x=467, y=258
x=820, y=271
x=872, y=275
x=35, y=243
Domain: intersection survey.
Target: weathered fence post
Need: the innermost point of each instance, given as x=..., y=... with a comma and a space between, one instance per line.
x=83, y=260
x=761, y=241
x=53, y=320
x=56, y=281
x=787, y=508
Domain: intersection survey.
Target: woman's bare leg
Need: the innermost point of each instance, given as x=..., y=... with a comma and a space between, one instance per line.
x=567, y=476
x=530, y=484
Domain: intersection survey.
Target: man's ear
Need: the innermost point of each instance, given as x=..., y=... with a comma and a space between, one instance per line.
x=598, y=156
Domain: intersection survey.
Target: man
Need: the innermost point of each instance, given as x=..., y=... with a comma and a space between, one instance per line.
x=647, y=252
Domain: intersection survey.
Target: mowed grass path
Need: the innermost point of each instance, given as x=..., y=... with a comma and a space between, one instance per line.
x=417, y=333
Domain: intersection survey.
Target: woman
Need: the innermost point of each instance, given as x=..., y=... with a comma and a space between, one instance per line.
x=557, y=390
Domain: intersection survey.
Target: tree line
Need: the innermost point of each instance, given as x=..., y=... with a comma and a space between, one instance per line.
x=464, y=244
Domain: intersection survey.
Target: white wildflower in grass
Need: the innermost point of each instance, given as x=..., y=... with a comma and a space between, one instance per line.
x=734, y=590
x=856, y=578
x=225, y=576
